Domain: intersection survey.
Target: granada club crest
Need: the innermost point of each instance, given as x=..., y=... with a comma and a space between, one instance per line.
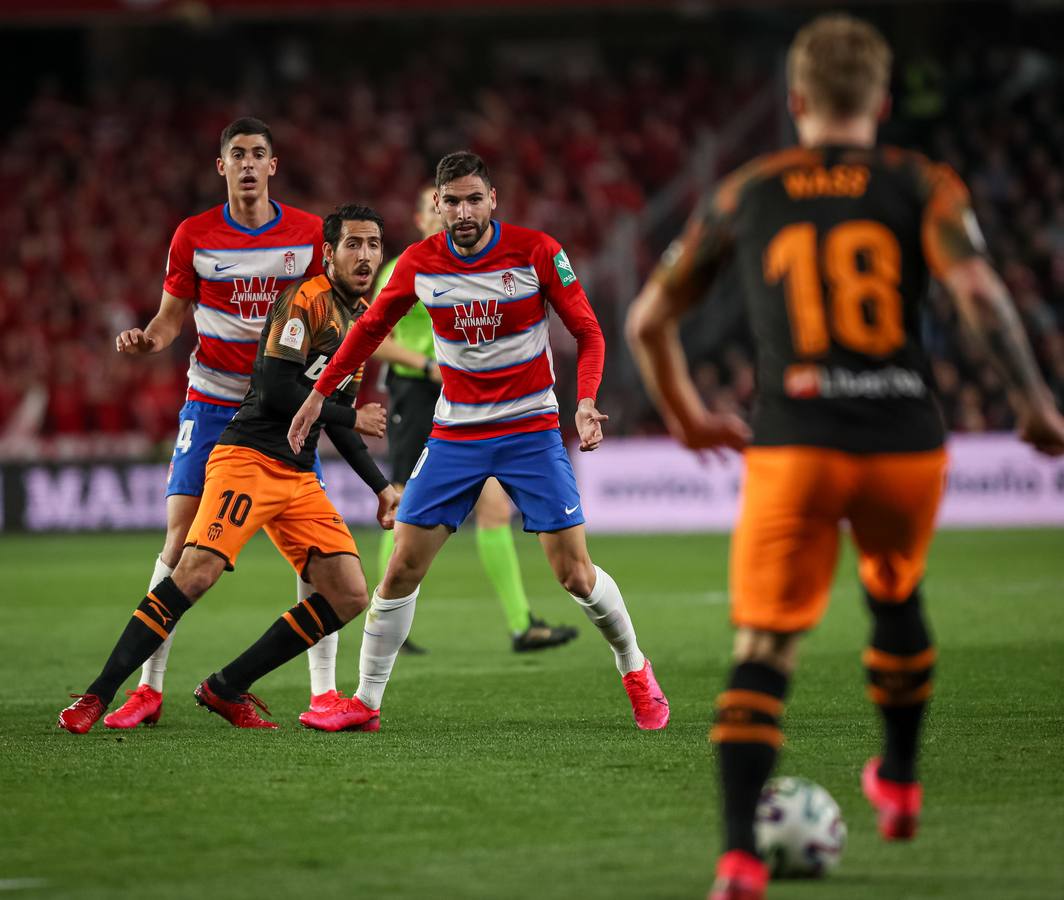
x=289, y=263
x=509, y=284
x=477, y=320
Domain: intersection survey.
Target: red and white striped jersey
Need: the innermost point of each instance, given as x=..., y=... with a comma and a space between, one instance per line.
x=489, y=322
x=233, y=274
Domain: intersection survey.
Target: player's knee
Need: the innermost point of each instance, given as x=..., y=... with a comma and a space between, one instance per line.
x=348, y=603
x=194, y=578
x=403, y=575
x=577, y=576
x=769, y=648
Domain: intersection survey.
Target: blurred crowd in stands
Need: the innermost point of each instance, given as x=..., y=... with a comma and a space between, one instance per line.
x=94, y=189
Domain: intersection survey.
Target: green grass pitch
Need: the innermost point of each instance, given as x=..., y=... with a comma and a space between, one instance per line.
x=498, y=775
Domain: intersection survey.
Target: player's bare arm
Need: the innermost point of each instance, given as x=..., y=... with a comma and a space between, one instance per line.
x=160, y=332
x=987, y=311
x=393, y=353
x=686, y=272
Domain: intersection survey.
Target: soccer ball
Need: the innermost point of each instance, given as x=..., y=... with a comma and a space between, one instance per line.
x=799, y=829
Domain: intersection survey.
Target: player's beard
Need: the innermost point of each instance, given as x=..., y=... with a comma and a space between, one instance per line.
x=349, y=284
x=469, y=239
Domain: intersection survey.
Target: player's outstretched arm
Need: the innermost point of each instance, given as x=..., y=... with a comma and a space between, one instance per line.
x=686, y=272
x=160, y=332
x=986, y=310
x=367, y=334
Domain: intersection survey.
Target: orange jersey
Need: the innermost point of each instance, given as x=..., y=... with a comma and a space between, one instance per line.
x=306, y=326
x=835, y=247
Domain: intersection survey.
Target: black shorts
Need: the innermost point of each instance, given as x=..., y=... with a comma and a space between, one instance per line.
x=411, y=405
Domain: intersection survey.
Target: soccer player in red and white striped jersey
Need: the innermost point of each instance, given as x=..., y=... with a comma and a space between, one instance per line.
x=489, y=287
x=228, y=264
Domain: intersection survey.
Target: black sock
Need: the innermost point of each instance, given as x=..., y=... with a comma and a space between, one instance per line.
x=302, y=626
x=899, y=663
x=747, y=734
x=151, y=624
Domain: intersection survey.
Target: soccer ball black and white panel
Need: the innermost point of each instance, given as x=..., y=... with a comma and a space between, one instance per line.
x=799, y=829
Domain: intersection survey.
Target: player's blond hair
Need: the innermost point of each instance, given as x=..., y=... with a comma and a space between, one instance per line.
x=841, y=65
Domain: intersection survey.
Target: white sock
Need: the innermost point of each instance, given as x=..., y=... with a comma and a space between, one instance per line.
x=607, y=612
x=154, y=669
x=322, y=656
x=387, y=625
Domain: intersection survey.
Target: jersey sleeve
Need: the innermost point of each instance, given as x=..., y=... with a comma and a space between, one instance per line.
x=292, y=325
x=949, y=231
x=563, y=291
x=372, y=327
x=691, y=262
x=180, y=279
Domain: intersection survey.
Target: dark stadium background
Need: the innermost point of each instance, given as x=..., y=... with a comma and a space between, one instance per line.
x=601, y=121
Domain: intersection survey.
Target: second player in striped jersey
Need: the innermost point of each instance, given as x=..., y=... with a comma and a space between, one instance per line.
x=228, y=265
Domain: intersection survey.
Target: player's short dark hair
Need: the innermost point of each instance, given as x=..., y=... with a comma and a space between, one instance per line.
x=352, y=212
x=246, y=125
x=459, y=165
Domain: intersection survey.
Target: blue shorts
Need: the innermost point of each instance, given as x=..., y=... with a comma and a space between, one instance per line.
x=533, y=469
x=199, y=427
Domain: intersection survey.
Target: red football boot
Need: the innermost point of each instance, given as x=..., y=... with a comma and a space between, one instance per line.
x=327, y=700
x=238, y=713
x=649, y=705
x=897, y=803
x=82, y=714
x=348, y=714
x=145, y=704
x=740, y=876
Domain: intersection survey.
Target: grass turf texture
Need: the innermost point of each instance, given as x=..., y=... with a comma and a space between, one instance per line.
x=503, y=775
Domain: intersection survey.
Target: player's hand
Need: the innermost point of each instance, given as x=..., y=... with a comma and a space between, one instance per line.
x=589, y=425
x=387, y=504
x=134, y=341
x=1043, y=429
x=305, y=416
x=371, y=419
x=435, y=376
x=711, y=431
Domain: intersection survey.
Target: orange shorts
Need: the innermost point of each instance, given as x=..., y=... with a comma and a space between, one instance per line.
x=786, y=543
x=246, y=490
